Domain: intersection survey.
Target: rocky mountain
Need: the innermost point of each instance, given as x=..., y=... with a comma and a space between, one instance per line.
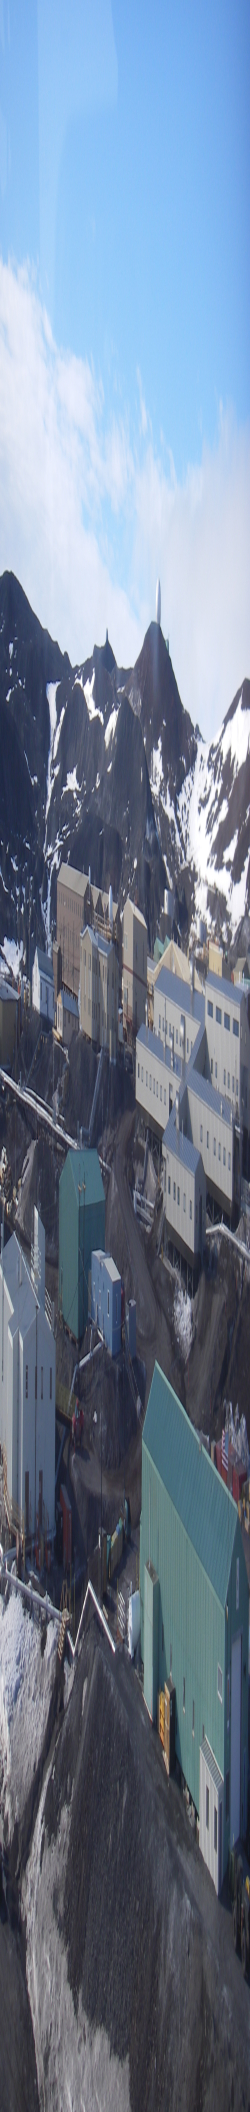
x=101, y=765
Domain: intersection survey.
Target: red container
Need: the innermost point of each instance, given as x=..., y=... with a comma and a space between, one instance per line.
x=239, y=1476
x=67, y=1526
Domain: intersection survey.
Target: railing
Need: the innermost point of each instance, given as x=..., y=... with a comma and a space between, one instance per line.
x=49, y=1310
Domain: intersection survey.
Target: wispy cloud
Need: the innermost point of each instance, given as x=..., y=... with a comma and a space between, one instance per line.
x=90, y=515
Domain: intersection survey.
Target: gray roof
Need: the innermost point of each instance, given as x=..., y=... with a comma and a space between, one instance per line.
x=69, y=1003
x=7, y=994
x=184, y=1152
x=45, y=965
x=208, y=1094
x=154, y=1047
x=225, y=989
x=99, y=1254
x=179, y=993
x=22, y=1295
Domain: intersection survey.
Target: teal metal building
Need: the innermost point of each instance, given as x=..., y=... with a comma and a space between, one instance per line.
x=81, y=1227
x=190, y=1540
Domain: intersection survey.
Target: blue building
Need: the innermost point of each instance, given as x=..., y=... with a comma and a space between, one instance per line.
x=106, y=1299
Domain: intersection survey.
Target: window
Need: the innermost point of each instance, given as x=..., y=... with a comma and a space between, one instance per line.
x=159, y=1022
x=210, y=1008
x=227, y=1021
x=207, y=1139
x=41, y=1382
x=224, y=1155
x=201, y=1133
x=174, y=1191
x=150, y=1081
x=193, y=1721
x=169, y=1184
x=160, y=1092
x=183, y=1695
x=228, y=1081
x=227, y=1794
x=207, y=1807
x=146, y=1077
x=184, y=1204
x=138, y=1070
x=229, y=1162
x=232, y=1085
x=187, y=1046
x=236, y=1028
x=153, y=1085
x=215, y=1829
x=26, y=1383
x=142, y=1074
x=237, y=1583
x=212, y=1066
x=214, y=1147
x=178, y=1197
x=190, y=1211
x=224, y=1078
x=157, y=1088
x=218, y=1015
x=219, y=1151
x=50, y=1383
x=219, y=1683
x=164, y=1096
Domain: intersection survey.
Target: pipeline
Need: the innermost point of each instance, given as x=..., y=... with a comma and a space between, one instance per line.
x=35, y=1597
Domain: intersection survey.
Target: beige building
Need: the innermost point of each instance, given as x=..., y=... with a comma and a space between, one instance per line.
x=99, y=990
x=134, y=966
x=78, y=904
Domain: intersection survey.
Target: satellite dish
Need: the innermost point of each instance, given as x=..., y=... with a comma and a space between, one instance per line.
x=158, y=601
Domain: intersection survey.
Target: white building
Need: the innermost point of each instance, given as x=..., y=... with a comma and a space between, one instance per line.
x=43, y=986
x=193, y=1087
x=27, y=1387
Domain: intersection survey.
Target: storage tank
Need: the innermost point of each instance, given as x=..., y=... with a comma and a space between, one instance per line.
x=134, y=1621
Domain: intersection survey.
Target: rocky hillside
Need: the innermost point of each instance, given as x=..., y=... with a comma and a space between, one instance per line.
x=102, y=766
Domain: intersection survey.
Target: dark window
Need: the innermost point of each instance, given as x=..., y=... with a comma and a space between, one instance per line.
x=236, y=1028
x=227, y=1021
x=218, y=1015
x=210, y=1008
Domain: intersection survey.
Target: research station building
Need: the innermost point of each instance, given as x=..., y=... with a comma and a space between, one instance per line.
x=194, y=1618
x=81, y=1228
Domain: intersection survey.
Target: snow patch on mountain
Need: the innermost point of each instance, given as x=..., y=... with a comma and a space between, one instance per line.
x=51, y=695
x=89, y=688
x=111, y=726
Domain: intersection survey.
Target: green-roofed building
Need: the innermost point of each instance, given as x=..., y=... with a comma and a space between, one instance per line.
x=81, y=1228
x=192, y=1567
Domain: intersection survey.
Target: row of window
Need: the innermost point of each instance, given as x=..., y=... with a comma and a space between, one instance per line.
x=218, y=1016
x=155, y=1084
x=27, y=1382
x=178, y=1197
x=219, y=1149
x=169, y=1031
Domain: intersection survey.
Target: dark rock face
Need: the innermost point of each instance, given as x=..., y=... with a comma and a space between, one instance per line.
x=94, y=763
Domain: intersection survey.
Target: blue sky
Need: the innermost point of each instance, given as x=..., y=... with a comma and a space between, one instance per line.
x=124, y=321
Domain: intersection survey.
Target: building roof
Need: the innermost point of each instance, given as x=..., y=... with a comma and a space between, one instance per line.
x=23, y=1300
x=136, y=912
x=71, y=878
x=45, y=965
x=99, y=1254
x=225, y=989
x=7, y=994
x=199, y=1496
x=69, y=1003
x=152, y=1043
x=184, y=1152
x=178, y=992
x=209, y=1095
x=86, y=1176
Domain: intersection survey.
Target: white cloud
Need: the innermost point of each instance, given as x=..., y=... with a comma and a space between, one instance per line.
x=89, y=518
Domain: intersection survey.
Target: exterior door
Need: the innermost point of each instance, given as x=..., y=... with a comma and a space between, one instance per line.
x=235, y=1740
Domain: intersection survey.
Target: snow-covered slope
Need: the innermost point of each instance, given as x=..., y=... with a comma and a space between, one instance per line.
x=102, y=766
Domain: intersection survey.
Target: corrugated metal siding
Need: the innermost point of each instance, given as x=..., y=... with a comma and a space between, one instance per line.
x=207, y=1512
x=81, y=1227
x=191, y=1620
